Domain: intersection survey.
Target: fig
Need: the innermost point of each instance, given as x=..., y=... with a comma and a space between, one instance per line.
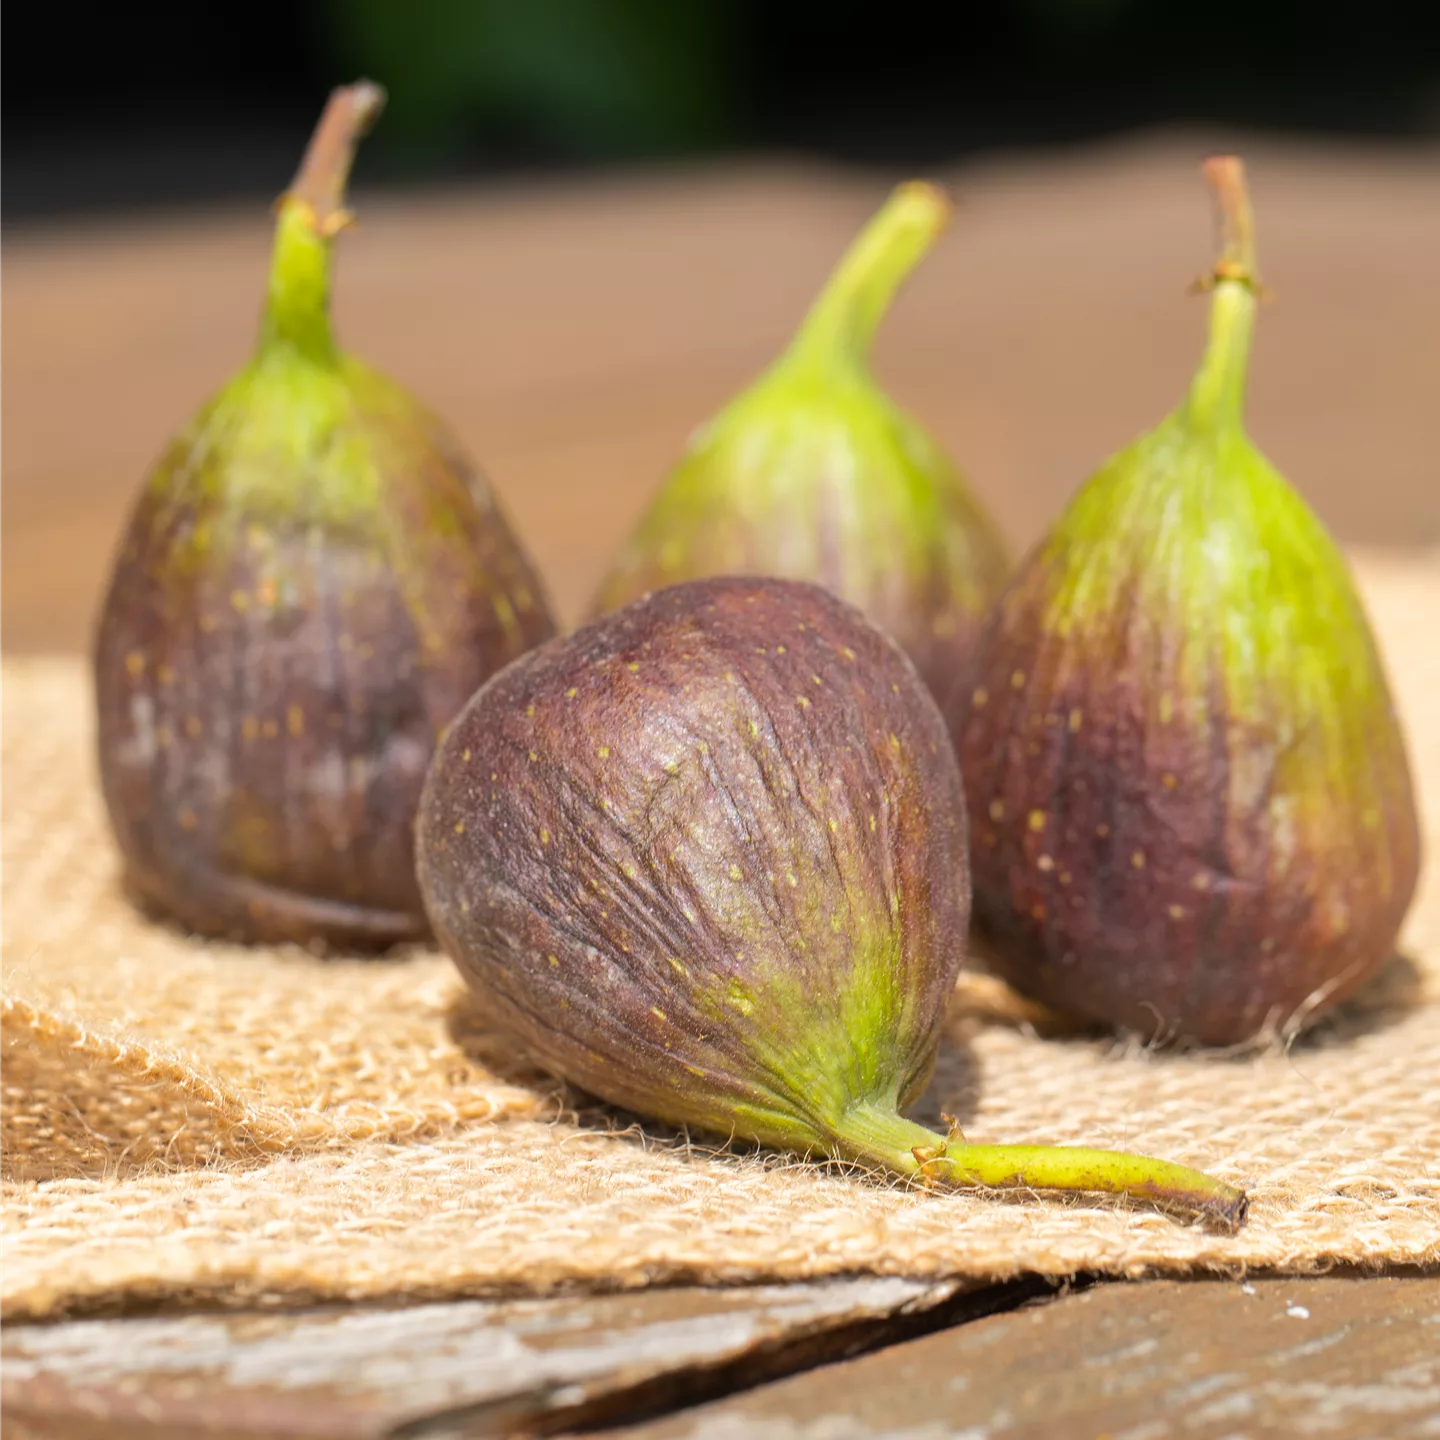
x=1193, y=810
x=706, y=859
x=313, y=582
x=813, y=473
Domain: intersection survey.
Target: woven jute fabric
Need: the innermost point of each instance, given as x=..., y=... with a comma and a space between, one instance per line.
x=201, y=1123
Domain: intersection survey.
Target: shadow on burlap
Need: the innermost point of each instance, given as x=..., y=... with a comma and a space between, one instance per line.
x=200, y=1123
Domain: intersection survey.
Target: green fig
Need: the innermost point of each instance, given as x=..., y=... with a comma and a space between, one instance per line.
x=313, y=582
x=1193, y=811
x=706, y=858
x=813, y=473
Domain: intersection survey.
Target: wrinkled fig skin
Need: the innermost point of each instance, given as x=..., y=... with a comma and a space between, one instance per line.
x=707, y=858
x=312, y=584
x=1192, y=811
x=813, y=473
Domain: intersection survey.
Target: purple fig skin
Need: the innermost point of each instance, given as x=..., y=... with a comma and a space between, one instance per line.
x=706, y=858
x=266, y=717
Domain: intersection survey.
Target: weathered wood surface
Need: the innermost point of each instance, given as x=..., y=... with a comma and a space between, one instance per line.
x=475, y=1368
x=1333, y=1359
x=1336, y=1359
x=575, y=333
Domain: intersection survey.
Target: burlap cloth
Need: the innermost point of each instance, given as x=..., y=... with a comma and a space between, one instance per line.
x=189, y=1123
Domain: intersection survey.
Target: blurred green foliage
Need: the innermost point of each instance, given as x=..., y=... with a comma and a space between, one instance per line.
x=580, y=78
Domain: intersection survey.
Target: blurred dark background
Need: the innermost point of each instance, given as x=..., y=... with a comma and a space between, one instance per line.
x=110, y=106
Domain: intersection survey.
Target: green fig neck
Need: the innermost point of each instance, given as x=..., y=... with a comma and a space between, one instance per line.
x=842, y=322
x=1216, y=401
x=311, y=213
x=297, y=306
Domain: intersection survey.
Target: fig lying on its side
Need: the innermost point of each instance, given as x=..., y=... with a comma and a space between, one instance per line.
x=707, y=858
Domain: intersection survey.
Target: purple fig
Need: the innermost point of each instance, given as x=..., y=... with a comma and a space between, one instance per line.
x=707, y=859
x=1193, y=811
x=313, y=582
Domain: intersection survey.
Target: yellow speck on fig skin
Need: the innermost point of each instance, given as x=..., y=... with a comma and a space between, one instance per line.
x=135, y=664
x=1036, y=820
x=980, y=697
x=997, y=809
x=1138, y=859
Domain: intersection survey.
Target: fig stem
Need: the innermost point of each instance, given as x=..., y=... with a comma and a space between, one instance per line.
x=1217, y=394
x=320, y=181
x=1075, y=1168
x=311, y=213
x=842, y=322
x=876, y=1135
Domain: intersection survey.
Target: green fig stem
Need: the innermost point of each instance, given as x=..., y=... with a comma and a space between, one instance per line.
x=843, y=320
x=311, y=213
x=1217, y=394
x=874, y=1135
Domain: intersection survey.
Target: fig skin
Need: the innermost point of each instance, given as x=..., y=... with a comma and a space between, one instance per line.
x=1193, y=811
x=706, y=858
x=813, y=473
x=746, y=860
x=313, y=582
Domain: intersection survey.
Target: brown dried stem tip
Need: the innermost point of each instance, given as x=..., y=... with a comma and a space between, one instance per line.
x=1225, y=174
x=320, y=181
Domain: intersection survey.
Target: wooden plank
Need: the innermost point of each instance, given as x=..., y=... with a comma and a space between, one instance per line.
x=575, y=333
x=470, y=1367
x=1338, y=1358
